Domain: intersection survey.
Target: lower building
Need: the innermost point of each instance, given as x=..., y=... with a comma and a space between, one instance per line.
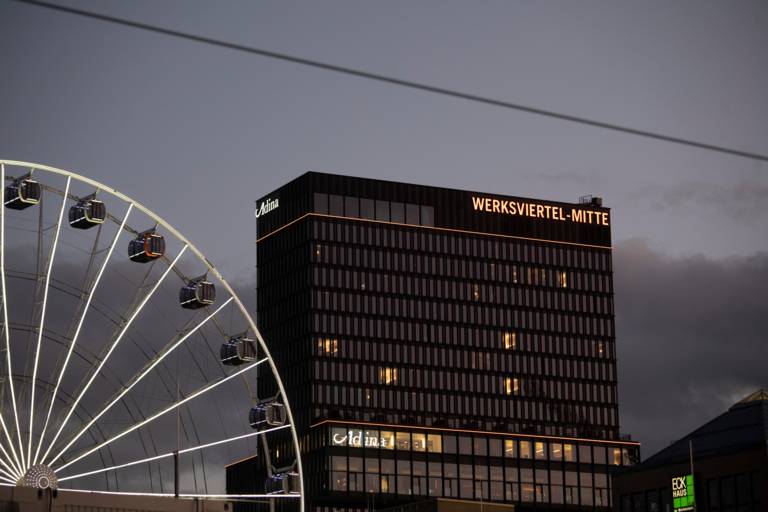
x=360, y=467
x=719, y=467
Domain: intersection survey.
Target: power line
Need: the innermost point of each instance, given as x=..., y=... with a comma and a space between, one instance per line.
x=397, y=81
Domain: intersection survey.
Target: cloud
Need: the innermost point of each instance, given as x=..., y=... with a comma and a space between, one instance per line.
x=691, y=339
x=745, y=199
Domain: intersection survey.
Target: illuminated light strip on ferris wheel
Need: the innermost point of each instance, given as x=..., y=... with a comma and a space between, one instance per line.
x=171, y=454
x=77, y=332
x=143, y=374
x=8, y=462
x=6, y=330
x=111, y=349
x=42, y=320
x=161, y=413
x=10, y=471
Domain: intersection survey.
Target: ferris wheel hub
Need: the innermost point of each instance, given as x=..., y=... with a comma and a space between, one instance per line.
x=39, y=476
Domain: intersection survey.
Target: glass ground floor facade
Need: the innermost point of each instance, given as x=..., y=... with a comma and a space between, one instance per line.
x=360, y=466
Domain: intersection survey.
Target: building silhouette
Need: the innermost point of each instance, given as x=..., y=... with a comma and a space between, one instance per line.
x=730, y=466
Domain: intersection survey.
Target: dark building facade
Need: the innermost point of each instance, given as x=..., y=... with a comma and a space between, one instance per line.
x=440, y=343
x=730, y=467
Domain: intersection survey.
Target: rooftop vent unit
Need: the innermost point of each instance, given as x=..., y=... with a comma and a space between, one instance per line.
x=591, y=200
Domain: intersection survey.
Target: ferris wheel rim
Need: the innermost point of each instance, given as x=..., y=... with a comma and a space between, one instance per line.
x=187, y=245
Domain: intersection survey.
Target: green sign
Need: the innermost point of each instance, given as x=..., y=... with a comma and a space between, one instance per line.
x=683, y=498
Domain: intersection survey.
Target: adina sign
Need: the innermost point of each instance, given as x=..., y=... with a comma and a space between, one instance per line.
x=267, y=206
x=358, y=439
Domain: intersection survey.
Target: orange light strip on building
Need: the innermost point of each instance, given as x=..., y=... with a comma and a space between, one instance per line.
x=448, y=230
x=483, y=432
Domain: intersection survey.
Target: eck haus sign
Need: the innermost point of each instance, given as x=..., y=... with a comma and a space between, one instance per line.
x=682, y=493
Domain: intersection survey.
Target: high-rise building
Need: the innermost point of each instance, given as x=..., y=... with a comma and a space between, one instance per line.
x=440, y=345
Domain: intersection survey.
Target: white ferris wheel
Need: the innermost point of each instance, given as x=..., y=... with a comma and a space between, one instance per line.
x=128, y=365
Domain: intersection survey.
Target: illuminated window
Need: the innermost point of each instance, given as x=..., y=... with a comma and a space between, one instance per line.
x=419, y=442
x=435, y=443
x=525, y=450
x=509, y=447
x=387, y=375
x=626, y=459
x=512, y=386
x=569, y=453
x=514, y=274
x=526, y=492
x=616, y=457
x=476, y=292
x=510, y=340
x=563, y=279
x=318, y=250
x=387, y=439
x=600, y=348
x=338, y=481
x=541, y=450
x=555, y=451
x=384, y=484
x=328, y=345
x=403, y=440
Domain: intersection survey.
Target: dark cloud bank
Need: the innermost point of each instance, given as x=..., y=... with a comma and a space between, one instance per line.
x=691, y=338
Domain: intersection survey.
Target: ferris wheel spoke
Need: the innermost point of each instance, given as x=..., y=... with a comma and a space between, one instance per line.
x=111, y=349
x=144, y=372
x=6, y=330
x=7, y=463
x=42, y=320
x=8, y=471
x=12, y=461
x=162, y=412
x=77, y=331
x=170, y=454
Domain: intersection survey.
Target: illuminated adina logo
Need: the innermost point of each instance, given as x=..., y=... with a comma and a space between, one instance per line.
x=267, y=206
x=356, y=439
